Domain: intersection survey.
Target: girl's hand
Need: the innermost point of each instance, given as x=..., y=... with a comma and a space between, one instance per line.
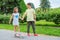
x=22, y=19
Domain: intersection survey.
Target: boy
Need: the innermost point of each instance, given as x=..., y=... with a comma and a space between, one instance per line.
x=31, y=18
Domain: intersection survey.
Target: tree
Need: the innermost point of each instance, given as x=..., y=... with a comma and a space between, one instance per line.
x=32, y=5
x=22, y=6
x=45, y=5
x=8, y=5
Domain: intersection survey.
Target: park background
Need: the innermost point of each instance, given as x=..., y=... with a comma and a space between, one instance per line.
x=47, y=15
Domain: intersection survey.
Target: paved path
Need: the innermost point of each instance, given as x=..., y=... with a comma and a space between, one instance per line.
x=9, y=35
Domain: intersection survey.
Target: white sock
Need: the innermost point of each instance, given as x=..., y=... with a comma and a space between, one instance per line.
x=15, y=32
x=18, y=32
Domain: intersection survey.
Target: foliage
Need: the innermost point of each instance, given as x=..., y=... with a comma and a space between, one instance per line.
x=4, y=19
x=52, y=16
x=8, y=5
x=32, y=5
x=22, y=6
x=45, y=5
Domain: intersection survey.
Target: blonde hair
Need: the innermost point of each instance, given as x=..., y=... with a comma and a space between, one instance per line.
x=14, y=9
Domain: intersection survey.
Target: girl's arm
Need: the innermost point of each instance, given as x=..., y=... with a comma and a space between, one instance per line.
x=11, y=18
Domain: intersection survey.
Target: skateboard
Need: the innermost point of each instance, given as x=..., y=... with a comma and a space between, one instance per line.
x=22, y=37
x=17, y=36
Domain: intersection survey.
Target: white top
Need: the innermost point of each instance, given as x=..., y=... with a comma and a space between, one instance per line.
x=30, y=14
x=15, y=18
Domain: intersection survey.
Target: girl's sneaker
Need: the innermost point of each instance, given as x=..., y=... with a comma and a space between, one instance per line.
x=28, y=34
x=17, y=35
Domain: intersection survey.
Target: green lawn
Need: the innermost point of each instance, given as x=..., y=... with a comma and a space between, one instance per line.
x=45, y=23
x=55, y=31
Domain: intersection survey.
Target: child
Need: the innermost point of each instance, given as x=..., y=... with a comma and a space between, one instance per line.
x=31, y=18
x=15, y=17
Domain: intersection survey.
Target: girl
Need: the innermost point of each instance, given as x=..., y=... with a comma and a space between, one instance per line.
x=15, y=17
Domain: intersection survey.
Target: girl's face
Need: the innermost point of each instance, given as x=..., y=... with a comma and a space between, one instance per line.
x=16, y=10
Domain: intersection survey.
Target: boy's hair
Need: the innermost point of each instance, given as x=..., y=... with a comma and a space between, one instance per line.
x=29, y=4
x=32, y=5
x=14, y=9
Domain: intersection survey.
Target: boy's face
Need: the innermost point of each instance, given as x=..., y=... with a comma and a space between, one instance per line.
x=28, y=6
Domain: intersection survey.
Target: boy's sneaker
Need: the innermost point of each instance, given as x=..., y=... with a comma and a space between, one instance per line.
x=35, y=34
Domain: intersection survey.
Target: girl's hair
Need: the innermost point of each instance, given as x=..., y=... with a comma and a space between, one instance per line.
x=15, y=9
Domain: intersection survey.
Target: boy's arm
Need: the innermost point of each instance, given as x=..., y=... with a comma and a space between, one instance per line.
x=11, y=18
x=20, y=17
x=34, y=15
x=24, y=15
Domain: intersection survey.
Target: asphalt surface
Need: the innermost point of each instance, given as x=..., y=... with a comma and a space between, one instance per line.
x=9, y=35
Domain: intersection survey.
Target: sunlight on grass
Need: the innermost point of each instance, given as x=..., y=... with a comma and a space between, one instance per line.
x=44, y=22
x=39, y=29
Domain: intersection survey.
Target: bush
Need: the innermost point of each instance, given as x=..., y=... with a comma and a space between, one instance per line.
x=4, y=19
x=55, y=17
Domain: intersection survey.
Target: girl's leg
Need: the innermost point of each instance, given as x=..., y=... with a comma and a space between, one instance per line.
x=18, y=28
x=14, y=28
x=18, y=33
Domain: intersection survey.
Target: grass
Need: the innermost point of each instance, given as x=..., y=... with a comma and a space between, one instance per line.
x=55, y=31
x=45, y=23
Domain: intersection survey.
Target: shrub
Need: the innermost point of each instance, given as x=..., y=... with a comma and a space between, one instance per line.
x=55, y=17
x=4, y=19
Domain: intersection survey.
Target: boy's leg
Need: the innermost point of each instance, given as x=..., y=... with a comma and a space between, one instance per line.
x=33, y=26
x=28, y=27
